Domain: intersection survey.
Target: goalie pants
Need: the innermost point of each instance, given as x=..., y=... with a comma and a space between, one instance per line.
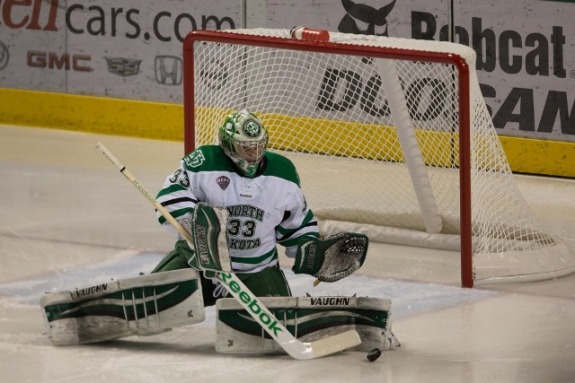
x=270, y=282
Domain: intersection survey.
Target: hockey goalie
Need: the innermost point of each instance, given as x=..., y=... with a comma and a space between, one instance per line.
x=233, y=204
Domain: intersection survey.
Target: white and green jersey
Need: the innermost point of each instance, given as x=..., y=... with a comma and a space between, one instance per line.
x=263, y=211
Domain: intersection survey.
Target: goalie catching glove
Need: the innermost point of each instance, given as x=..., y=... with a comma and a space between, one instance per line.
x=332, y=258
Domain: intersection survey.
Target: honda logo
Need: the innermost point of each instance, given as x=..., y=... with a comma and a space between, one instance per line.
x=168, y=70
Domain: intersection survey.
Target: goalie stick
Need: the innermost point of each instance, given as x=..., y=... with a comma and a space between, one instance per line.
x=295, y=348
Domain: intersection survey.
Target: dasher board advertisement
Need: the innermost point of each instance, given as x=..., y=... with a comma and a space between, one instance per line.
x=126, y=49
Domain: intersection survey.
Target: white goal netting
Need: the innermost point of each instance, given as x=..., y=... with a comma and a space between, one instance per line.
x=374, y=125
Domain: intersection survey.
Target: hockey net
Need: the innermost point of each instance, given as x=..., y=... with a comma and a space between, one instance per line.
x=391, y=137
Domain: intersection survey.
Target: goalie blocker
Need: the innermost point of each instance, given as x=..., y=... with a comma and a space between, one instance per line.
x=208, y=229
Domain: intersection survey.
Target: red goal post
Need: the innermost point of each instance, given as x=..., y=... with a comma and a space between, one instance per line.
x=391, y=138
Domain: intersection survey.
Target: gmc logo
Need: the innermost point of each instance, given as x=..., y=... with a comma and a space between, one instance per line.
x=53, y=60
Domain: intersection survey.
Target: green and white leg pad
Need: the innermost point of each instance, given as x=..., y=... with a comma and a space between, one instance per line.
x=308, y=319
x=143, y=305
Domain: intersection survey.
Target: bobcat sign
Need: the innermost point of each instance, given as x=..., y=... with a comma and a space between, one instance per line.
x=526, y=69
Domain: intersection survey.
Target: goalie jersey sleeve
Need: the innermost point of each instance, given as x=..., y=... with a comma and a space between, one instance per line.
x=263, y=211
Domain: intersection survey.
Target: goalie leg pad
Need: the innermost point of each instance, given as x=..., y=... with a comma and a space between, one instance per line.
x=332, y=258
x=307, y=318
x=210, y=239
x=143, y=305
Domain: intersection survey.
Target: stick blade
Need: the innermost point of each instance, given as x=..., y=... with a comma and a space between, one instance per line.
x=329, y=345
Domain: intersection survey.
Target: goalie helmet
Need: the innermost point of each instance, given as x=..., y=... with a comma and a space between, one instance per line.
x=244, y=140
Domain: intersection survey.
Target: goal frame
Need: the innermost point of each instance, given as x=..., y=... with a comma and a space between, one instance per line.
x=463, y=95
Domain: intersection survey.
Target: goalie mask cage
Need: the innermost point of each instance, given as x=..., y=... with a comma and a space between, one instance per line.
x=391, y=138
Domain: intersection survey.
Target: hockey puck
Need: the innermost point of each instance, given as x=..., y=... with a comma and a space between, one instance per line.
x=373, y=354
